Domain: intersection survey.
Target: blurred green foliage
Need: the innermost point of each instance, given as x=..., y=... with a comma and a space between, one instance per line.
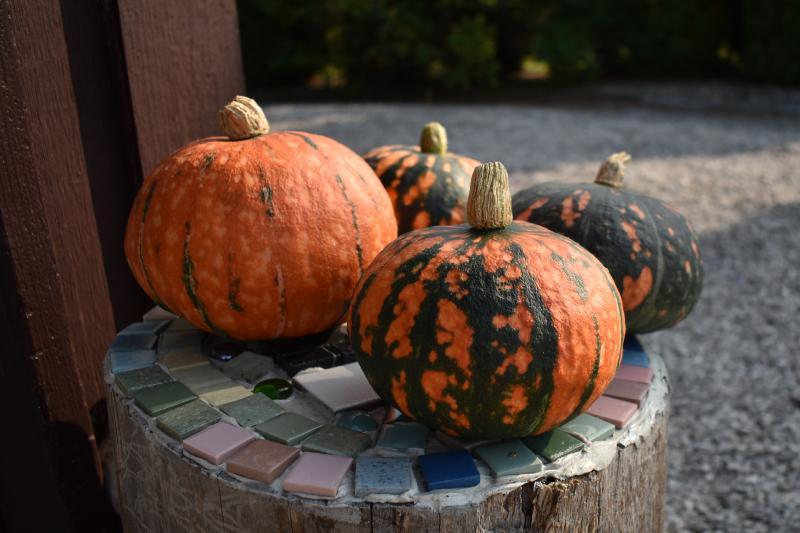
x=465, y=44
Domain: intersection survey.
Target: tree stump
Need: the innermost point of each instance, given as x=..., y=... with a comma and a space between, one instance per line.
x=618, y=485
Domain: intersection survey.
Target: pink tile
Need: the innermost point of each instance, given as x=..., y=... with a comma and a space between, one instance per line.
x=618, y=412
x=217, y=443
x=639, y=374
x=262, y=460
x=317, y=473
x=627, y=390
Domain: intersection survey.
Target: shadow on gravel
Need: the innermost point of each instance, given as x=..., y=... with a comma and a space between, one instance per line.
x=735, y=371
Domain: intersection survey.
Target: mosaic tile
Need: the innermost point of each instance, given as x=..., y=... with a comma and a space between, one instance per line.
x=181, y=324
x=222, y=393
x=297, y=345
x=125, y=361
x=337, y=441
x=618, y=412
x=252, y=410
x=248, y=366
x=182, y=359
x=223, y=350
x=404, y=436
x=634, y=373
x=150, y=327
x=140, y=378
x=589, y=427
x=632, y=343
x=217, y=443
x=274, y=388
x=158, y=313
x=382, y=475
x=161, y=398
x=449, y=470
x=262, y=460
x=627, y=390
x=288, y=428
x=318, y=357
x=357, y=421
x=317, y=473
x=340, y=388
x=553, y=445
x=180, y=340
x=187, y=419
x=635, y=358
x=509, y=457
x=200, y=378
x=131, y=343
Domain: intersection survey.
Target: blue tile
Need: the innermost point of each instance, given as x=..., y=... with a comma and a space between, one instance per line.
x=449, y=470
x=635, y=358
x=124, y=361
x=382, y=475
x=129, y=343
x=632, y=343
x=150, y=327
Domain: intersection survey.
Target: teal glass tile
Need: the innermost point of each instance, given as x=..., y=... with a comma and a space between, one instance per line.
x=130, y=343
x=161, y=398
x=382, y=475
x=248, y=366
x=150, y=327
x=180, y=340
x=125, y=361
x=404, y=436
x=509, y=457
x=288, y=428
x=357, y=421
x=252, y=410
x=553, y=445
x=589, y=427
x=336, y=440
x=187, y=419
x=140, y=378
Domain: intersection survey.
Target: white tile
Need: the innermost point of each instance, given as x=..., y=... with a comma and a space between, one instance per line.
x=339, y=388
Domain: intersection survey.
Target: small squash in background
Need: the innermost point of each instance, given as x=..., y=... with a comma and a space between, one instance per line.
x=257, y=235
x=492, y=329
x=649, y=248
x=426, y=183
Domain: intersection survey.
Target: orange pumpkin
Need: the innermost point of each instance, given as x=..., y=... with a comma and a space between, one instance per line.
x=257, y=235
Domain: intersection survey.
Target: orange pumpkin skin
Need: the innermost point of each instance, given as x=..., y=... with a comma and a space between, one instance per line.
x=487, y=334
x=260, y=238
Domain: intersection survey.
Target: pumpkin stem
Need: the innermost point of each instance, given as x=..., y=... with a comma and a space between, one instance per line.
x=613, y=170
x=433, y=139
x=489, y=200
x=242, y=118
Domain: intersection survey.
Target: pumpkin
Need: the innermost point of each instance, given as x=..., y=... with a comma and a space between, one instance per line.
x=257, y=235
x=649, y=248
x=491, y=329
x=427, y=185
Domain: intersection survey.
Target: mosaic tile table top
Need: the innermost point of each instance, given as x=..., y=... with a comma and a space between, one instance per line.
x=332, y=438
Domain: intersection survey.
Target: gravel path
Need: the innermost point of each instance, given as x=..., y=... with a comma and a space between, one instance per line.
x=734, y=462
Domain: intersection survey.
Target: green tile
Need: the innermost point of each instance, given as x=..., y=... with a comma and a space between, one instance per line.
x=188, y=419
x=225, y=392
x=199, y=378
x=553, y=445
x=183, y=359
x=141, y=378
x=589, y=427
x=288, y=428
x=248, y=366
x=252, y=410
x=337, y=441
x=161, y=398
x=509, y=457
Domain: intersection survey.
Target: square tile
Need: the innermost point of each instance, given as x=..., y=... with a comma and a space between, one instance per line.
x=130, y=343
x=252, y=410
x=510, y=457
x=199, y=378
x=634, y=373
x=404, y=436
x=340, y=388
x=217, y=443
x=248, y=366
x=159, y=399
x=181, y=340
x=183, y=359
x=357, y=421
x=336, y=440
x=589, y=427
x=288, y=428
x=317, y=473
x=181, y=324
x=632, y=343
x=382, y=475
x=635, y=358
x=124, y=361
x=225, y=392
x=158, y=313
x=618, y=412
x=553, y=445
x=150, y=327
x=262, y=460
x=187, y=419
x=627, y=390
x=138, y=379
x=449, y=470
x=317, y=357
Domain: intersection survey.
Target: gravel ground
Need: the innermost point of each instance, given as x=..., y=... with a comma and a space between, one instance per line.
x=734, y=460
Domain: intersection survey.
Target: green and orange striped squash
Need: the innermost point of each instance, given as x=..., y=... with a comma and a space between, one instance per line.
x=648, y=246
x=257, y=235
x=492, y=329
x=427, y=184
